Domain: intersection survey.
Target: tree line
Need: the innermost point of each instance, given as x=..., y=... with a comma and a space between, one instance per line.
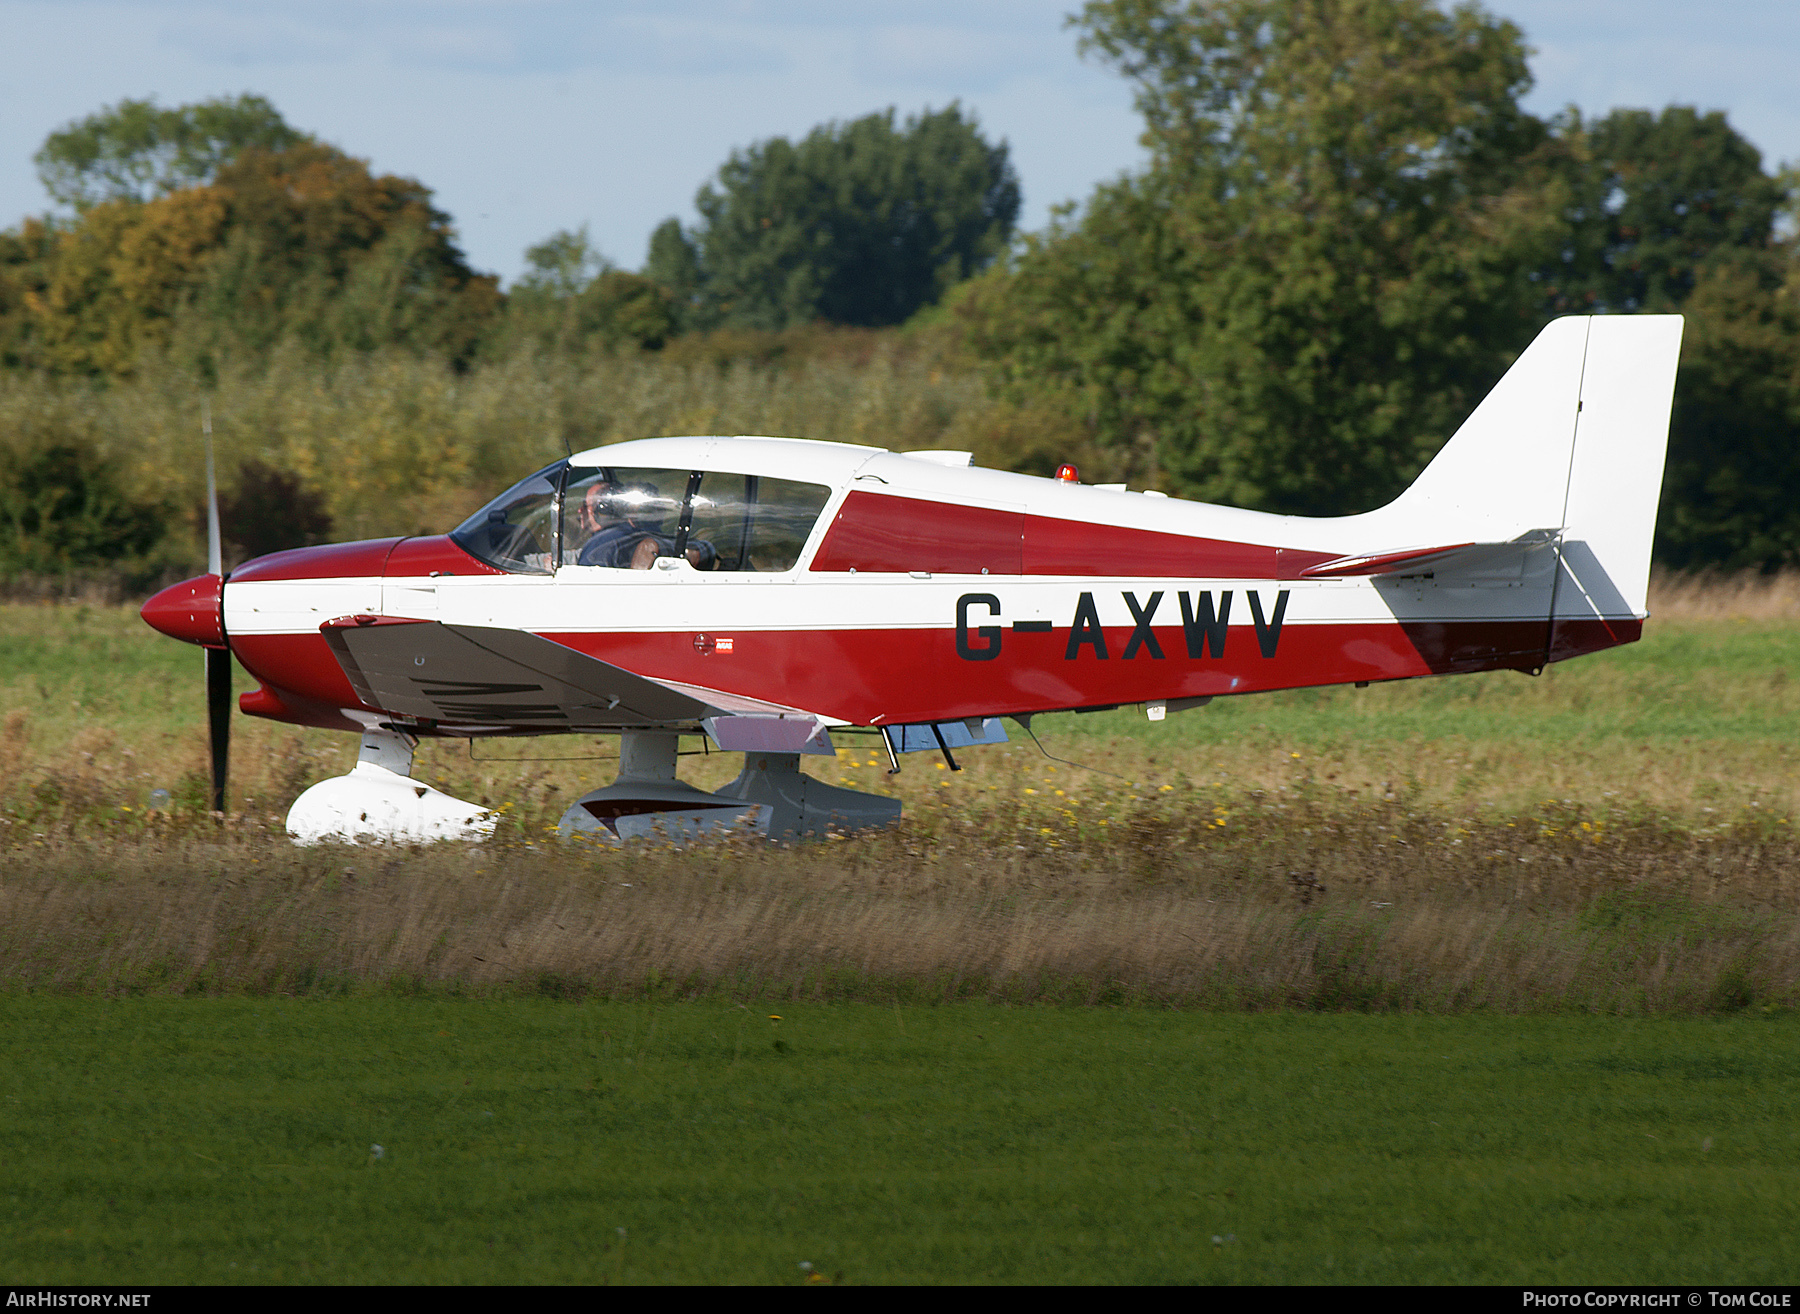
x=1347, y=228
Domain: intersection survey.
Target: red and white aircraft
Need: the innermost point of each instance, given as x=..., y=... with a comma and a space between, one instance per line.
x=768, y=591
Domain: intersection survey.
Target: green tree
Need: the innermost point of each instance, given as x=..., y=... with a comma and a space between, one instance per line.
x=27, y=256
x=859, y=223
x=117, y=280
x=1650, y=199
x=1731, y=492
x=572, y=298
x=563, y=264
x=269, y=510
x=1672, y=211
x=62, y=507
x=325, y=252
x=674, y=264
x=1321, y=270
x=304, y=245
x=137, y=150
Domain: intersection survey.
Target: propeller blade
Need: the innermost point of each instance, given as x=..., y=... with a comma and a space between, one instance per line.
x=215, y=554
x=218, y=719
x=218, y=660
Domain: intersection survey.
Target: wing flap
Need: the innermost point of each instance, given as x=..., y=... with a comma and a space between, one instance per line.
x=739, y=704
x=771, y=734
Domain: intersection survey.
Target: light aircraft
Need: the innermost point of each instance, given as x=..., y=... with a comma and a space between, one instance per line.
x=770, y=592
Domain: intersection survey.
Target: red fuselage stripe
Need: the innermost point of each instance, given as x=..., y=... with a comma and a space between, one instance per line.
x=913, y=675
x=877, y=532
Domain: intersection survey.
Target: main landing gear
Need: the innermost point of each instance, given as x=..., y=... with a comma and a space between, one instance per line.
x=770, y=797
x=380, y=802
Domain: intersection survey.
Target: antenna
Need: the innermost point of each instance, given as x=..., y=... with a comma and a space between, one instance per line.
x=1024, y=722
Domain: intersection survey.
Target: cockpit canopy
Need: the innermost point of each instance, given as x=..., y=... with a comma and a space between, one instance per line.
x=624, y=518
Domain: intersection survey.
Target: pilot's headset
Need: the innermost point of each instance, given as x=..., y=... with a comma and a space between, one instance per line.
x=596, y=504
x=640, y=504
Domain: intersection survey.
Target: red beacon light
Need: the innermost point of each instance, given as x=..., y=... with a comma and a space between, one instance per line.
x=1067, y=474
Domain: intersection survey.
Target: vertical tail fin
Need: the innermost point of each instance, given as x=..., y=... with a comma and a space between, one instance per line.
x=1570, y=441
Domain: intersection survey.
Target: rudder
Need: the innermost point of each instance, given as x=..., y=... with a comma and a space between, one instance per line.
x=1615, y=475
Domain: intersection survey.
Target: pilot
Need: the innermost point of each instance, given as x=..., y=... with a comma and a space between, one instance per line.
x=617, y=540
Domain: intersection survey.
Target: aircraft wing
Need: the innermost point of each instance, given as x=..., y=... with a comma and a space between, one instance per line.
x=480, y=678
x=477, y=676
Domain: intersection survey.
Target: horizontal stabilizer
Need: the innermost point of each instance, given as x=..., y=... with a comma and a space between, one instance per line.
x=1419, y=560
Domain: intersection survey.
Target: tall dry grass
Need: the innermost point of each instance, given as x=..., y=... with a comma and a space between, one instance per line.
x=1300, y=906
x=1713, y=595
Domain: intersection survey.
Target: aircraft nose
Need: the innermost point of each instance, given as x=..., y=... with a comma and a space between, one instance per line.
x=189, y=611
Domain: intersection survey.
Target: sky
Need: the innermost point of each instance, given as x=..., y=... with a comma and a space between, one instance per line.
x=531, y=116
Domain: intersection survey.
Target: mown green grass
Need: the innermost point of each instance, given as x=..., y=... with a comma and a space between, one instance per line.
x=230, y=1140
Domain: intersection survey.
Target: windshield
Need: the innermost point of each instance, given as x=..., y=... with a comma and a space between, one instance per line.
x=516, y=531
x=625, y=518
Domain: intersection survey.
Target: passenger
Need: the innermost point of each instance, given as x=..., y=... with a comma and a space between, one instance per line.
x=618, y=541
